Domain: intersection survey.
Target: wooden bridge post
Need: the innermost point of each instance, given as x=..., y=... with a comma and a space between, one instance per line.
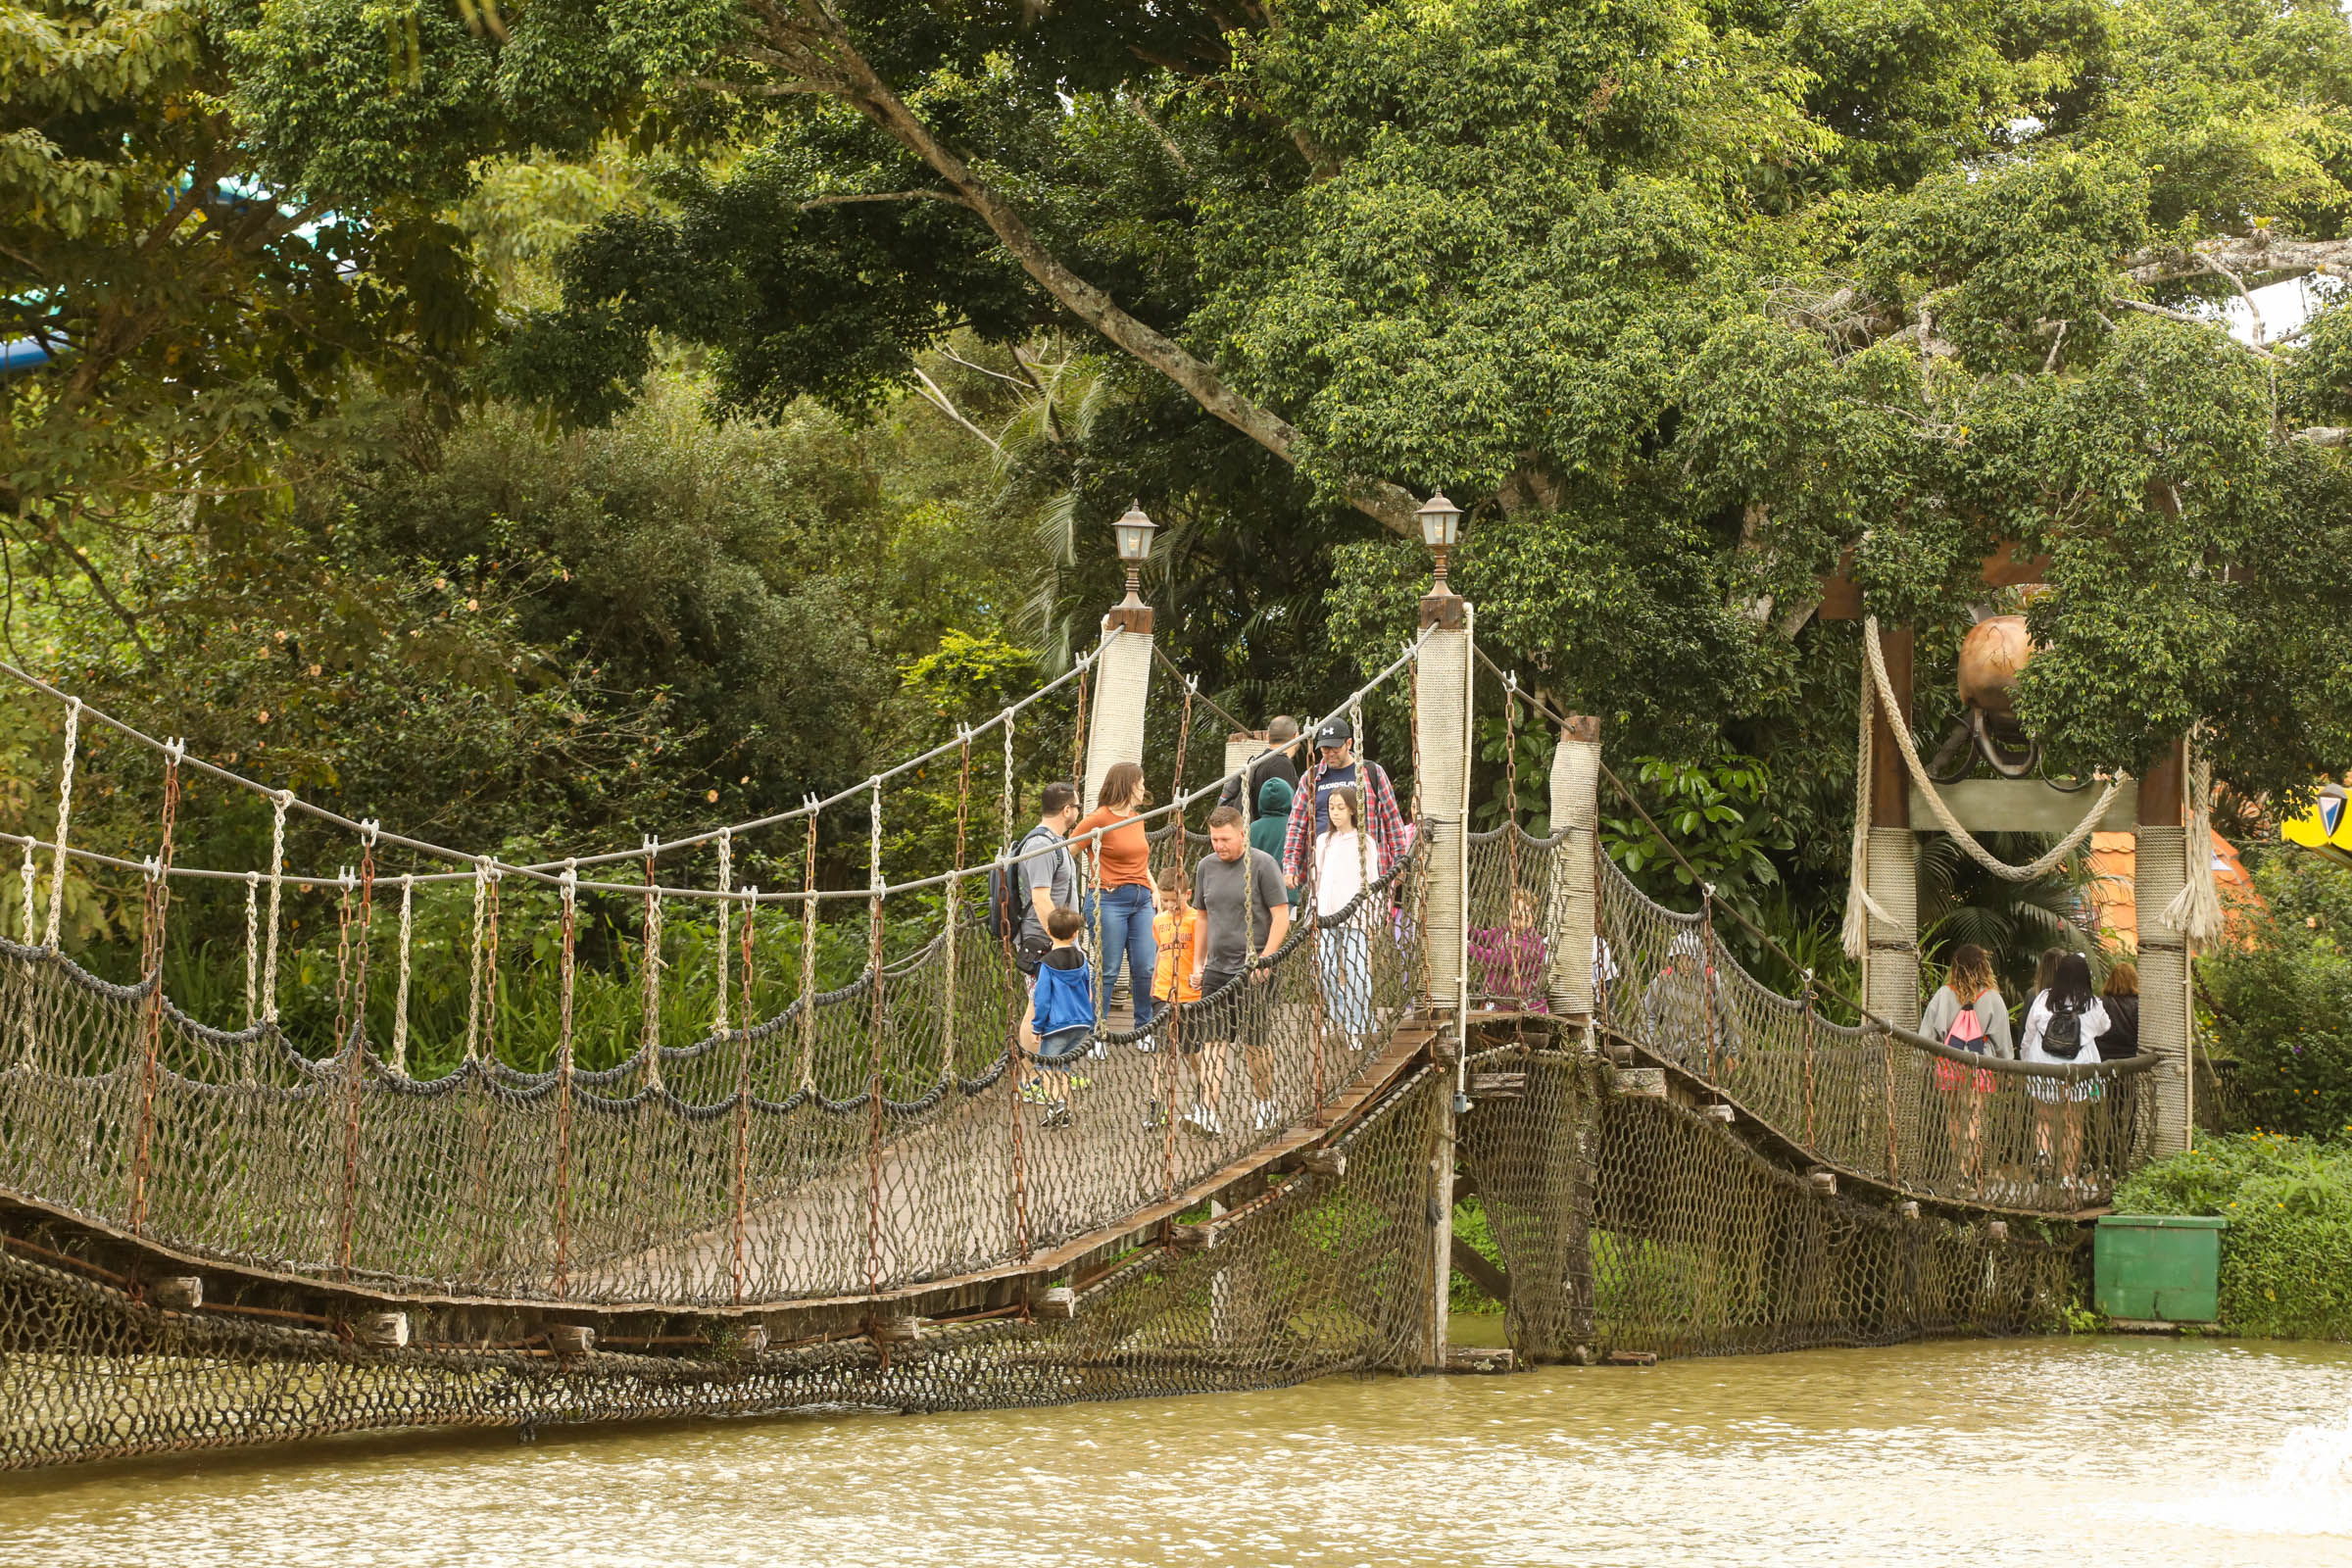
x=1890, y=968
x=1442, y=698
x=2159, y=869
x=1576, y=912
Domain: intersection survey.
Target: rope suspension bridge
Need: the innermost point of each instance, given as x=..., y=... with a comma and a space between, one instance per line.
x=221, y=1230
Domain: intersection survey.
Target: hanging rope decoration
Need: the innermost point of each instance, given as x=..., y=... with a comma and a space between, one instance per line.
x=1007, y=778
x=2196, y=911
x=65, y=813
x=158, y=895
x=1510, y=799
x=1086, y=669
x=650, y=1039
x=368, y=832
x=570, y=893
x=1862, y=907
x=1180, y=967
x=278, y=888
x=30, y=874
x=490, y=967
x=473, y=954
x=726, y=915
x=400, y=994
x=253, y=946
x=955, y=889
x=1412, y=722
x=743, y=1103
x=806, y=1076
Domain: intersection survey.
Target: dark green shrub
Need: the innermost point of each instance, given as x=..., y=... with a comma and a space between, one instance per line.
x=2282, y=1005
x=2287, y=1257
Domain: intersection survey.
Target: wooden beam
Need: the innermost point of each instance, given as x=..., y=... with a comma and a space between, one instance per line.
x=2159, y=804
x=1842, y=595
x=2022, y=806
x=1890, y=781
x=1482, y=1273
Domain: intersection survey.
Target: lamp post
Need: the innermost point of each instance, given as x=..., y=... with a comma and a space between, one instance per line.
x=1134, y=531
x=1440, y=529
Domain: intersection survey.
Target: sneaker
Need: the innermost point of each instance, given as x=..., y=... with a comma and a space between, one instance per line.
x=1201, y=1119
x=1267, y=1116
x=1057, y=1115
x=1077, y=1082
x=1034, y=1094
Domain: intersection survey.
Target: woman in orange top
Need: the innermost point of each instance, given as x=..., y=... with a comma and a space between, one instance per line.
x=1121, y=910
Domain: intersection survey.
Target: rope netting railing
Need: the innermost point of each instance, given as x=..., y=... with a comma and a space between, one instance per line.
x=1873, y=1098
x=852, y=1139
x=1919, y=1116
x=1631, y=1223
x=1315, y=1274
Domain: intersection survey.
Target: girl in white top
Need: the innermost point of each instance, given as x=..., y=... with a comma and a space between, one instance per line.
x=1343, y=867
x=2066, y=1014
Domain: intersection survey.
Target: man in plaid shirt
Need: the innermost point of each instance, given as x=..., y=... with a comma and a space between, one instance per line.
x=1336, y=767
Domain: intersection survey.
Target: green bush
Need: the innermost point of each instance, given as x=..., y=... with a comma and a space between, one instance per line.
x=2287, y=1257
x=1470, y=1228
x=2282, y=1005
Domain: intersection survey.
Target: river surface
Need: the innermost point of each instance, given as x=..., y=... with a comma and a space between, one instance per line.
x=2087, y=1453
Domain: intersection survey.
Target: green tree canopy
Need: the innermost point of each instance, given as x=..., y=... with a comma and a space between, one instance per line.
x=1684, y=301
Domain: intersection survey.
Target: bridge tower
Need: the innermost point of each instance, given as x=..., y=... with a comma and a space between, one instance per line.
x=2158, y=865
x=1442, y=700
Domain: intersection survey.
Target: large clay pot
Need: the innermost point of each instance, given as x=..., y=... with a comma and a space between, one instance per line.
x=1995, y=650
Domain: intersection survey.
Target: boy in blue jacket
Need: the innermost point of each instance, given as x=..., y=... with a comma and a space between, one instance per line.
x=1061, y=1017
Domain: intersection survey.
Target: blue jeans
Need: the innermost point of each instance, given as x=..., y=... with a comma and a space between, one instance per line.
x=1346, y=961
x=1124, y=917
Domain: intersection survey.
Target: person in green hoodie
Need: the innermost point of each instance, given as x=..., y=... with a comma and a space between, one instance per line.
x=1273, y=818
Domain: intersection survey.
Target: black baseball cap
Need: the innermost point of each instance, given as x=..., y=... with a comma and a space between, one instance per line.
x=1334, y=732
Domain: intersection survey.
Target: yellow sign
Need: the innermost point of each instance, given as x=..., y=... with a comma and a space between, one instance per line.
x=2326, y=828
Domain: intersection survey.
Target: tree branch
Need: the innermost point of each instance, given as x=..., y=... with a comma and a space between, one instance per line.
x=2259, y=254
x=55, y=538
x=1136, y=106
x=940, y=401
x=950, y=197
x=1388, y=504
x=2146, y=309
x=2239, y=284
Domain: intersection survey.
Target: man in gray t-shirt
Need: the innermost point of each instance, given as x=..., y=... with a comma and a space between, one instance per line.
x=1043, y=869
x=1245, y=911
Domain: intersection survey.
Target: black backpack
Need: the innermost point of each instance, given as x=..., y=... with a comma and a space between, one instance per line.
x=2062, y=1036
x=1009, y=896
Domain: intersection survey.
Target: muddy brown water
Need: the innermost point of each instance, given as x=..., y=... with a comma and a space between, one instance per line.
x=2056, y=1451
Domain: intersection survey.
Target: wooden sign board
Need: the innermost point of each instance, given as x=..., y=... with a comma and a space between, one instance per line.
x=2024, y=805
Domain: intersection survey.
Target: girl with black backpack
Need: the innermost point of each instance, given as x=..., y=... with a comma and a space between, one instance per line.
x=2063, y=1026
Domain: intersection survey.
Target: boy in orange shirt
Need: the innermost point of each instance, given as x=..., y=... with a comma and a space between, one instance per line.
x=1176, y=929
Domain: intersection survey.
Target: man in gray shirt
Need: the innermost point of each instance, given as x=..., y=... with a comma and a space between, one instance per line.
x=1244, y=909
x=1044, y=872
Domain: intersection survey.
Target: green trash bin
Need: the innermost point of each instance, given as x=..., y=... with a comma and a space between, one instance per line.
x=2158, y=1268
